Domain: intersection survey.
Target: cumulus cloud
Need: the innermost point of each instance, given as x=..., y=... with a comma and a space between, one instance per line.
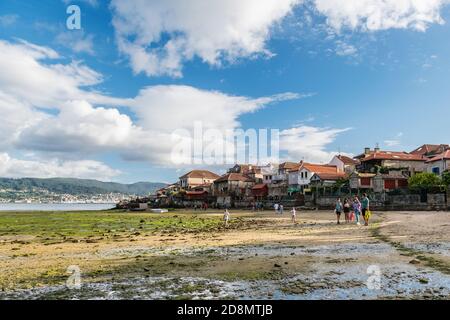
x=88, y=169
x=309, y=143
x=375, y=15
x=166, y=108
x=78, y=127
x=46, y=84
x=159, y=36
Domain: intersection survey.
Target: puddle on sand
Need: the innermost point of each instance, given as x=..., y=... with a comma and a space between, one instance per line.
x=442, y=248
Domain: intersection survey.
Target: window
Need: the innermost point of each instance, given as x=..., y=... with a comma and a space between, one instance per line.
x=436, y=170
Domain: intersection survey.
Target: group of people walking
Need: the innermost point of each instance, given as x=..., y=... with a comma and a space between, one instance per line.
x=354, y=209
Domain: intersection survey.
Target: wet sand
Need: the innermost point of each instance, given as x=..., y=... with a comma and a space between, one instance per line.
x=401, y=255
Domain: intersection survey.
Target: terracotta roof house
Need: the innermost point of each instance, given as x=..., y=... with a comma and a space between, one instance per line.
x=439, y=163
x=430, y=150
x=344, y=163
x=260, y=191
x=327, y=179
x=196, y=178
x=390, y=159
x=379, y=182
x=301, y=178
x=233, y=187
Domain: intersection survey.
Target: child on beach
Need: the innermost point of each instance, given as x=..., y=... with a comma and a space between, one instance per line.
x=294, y=215
x=347, y=210
x=338, y=210
x=226, y=217
x=357, y=209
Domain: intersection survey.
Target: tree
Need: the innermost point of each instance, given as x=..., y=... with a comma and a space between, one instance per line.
x=446, y=178
x=424, y=180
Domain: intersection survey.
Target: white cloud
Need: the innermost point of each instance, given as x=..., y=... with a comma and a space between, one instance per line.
x=8, y=20
x=309, y=143
x=166, y=108
x=394, y=142
x=25, y=76
x=215, y=31
x=344, y=49
x=79, y=127
x=77, y=41
x=88, y=169
x=374, y=15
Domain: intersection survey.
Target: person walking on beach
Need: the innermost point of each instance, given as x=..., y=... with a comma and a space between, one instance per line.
x=275, y=206
x=294, y=215
x=226, y=217
x=338, y=210
x=365, y=208
x=281, y=209
x=357, y=209
x=347, y=210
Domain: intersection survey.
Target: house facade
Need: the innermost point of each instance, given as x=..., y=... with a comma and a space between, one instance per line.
x=301, y=178
x=378, y=182
x=439, y=163
x=197, y=178
x=370, y=160
x=233, y=187
x=344, y=163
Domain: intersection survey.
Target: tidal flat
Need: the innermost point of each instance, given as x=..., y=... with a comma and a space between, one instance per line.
x=192, y=255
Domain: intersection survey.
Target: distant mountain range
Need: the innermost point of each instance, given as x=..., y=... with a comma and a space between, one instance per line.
x=79, y=186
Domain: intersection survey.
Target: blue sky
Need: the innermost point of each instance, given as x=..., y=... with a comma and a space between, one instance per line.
x=357, y=77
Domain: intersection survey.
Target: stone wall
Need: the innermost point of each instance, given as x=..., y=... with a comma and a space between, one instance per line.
x=383, y=201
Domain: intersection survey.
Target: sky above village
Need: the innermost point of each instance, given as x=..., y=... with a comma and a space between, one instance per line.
x=102, y=102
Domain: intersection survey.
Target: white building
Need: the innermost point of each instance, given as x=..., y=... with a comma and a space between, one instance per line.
x=301, y=178
x=344, y=163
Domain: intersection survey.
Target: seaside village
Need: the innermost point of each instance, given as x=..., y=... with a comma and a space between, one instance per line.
x=383, y=175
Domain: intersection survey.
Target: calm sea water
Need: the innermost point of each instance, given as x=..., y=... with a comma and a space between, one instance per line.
x=55, y=206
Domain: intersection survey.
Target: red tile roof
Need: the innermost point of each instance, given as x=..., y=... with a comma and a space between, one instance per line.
x=195, y=193
x=319, y=168
x=289, y=166
x=259, y=186
x=430, y=148
x=347, y=160
x=331, y=176
x=200, y=174
x=392, y=155
x=443, y=156
x=234, y=177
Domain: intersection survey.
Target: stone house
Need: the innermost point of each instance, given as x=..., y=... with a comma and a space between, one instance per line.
x=232, y=187
x=439, y=163
x=371, y=159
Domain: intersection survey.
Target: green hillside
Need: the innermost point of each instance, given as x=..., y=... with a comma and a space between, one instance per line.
x=79, y=186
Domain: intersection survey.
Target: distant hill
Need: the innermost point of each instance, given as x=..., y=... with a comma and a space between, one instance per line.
x=79, y=186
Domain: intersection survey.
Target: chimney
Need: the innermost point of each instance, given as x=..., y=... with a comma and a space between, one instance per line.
x=366, y=151
x=377, y=148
